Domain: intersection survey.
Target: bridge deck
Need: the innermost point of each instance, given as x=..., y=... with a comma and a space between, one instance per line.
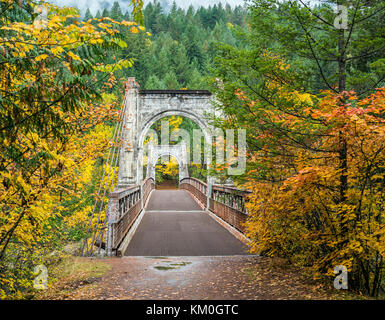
x=174, y=225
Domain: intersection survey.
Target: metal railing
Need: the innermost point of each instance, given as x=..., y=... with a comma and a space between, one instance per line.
x=230, y=197
x=123, y=208
x=147, y=186
x=95, y=229
x=228, y=203
x=196, y=187
x=107, y=227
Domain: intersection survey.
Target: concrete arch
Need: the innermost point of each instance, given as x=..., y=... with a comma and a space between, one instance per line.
x=142, y=109
x=202, y=123
x=177, y=151
x=160, y=114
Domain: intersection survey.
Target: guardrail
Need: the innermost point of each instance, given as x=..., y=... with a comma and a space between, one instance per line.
x=196, y=187
x=123, y=208
x=228, y=203
x=147, y=186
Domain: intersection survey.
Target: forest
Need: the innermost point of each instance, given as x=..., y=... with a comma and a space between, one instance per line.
x=181, y=48
x=307, y=83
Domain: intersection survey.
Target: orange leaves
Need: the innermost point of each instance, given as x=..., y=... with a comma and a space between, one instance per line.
x=240, y=94
x=134, y=30
x=299, y=214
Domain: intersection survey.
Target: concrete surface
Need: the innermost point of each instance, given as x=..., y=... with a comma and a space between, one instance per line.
x=175, y=225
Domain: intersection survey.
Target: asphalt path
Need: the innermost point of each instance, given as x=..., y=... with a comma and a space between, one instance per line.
x=175, y=225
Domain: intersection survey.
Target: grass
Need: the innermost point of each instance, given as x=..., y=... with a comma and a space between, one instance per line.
x=72, y=276
x=81, y=268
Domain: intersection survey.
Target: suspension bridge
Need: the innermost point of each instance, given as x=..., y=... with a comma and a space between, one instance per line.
x=130, y=217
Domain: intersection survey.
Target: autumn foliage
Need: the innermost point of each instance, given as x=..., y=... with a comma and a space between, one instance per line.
x=56, y=105
x=299, y=214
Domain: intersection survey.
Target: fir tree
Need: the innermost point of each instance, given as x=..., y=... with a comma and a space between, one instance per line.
x=88, y=15
x=171, y=81
x=116, y=12
x=153, y=83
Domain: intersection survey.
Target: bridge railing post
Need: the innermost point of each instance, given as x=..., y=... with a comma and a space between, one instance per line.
x=109, y=240
x=141, y=194
x=209, y=193
x=112, y=208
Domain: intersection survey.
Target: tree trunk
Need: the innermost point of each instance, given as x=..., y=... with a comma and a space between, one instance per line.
x=342, y=87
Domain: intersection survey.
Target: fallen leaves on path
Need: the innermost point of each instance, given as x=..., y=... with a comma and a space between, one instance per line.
x=208, y=278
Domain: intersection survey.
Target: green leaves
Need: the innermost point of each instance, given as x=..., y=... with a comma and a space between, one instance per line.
x=307, y=38
x=137, y=11
x=121, y=64
x=119, y=42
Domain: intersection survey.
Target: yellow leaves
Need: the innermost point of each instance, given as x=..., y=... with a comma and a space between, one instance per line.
x=120, y=42
x=89, y=28
x=128, y=23
x=304, y=97
x=6, y=142
x=107, y=28
x=79, y=217
x=46, y=181
x=107, y=98
x=17, y=182
x=56, y=20
x=41, y=57
x=73, y=56
x=57, y=35
x=96, y=41
x=170, y=168
x=17, y=54
x=108, y=68
x=56, y=50
x=175, y=122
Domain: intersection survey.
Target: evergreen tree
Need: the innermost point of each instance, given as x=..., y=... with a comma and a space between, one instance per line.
x=88, y=15
x=153, y=83
x=181, y=47
x=127, y=16
x=105, y=13
x=116, y=12
x=181, y=64
x=163, y=62
x=195, y=80
x=171, y=81
x=192, y=43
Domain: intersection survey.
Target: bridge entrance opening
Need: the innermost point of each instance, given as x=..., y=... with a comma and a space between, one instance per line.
x=173, y=149
x=167, y=173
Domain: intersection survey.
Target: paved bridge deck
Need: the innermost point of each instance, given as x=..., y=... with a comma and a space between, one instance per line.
x=175, y=225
